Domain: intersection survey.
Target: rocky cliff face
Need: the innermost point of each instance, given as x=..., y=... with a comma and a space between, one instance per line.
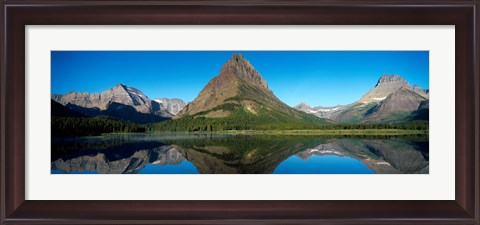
x=240, y=67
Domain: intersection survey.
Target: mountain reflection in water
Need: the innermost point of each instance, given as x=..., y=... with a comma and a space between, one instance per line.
x=239, y=154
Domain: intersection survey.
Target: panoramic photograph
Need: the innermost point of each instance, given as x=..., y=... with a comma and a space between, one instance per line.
x=239, y=112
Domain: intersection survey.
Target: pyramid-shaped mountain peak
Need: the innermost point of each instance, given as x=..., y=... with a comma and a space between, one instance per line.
x=240, y=67
x=239, y=91
x=238, y=59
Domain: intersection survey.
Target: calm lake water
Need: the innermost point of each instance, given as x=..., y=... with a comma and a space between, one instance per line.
x=238, y=154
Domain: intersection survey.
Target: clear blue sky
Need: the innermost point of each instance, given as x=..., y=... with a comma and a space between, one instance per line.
x=320, y=78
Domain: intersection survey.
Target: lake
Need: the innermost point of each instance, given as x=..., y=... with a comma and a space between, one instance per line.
x=239, y=154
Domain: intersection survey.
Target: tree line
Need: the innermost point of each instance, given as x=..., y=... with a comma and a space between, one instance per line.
x=191, y=124
x=84, y=126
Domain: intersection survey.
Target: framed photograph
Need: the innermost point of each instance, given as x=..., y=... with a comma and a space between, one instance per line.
x=281, y=112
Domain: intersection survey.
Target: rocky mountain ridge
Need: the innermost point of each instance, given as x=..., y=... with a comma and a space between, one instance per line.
x=121, y=101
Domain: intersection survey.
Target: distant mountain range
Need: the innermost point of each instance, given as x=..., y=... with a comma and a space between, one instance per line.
x=392, y=99
x=239, y=98
x=172, y=106
x=122, y=102
x=320, y=111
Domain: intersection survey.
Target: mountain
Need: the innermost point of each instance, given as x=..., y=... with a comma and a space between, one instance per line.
x=120, y=101
x=59, y=110
x=386, y=85
x=382, y=156
x=422, y=113
x=399, y=104
x=237, y=78
x=239, y=94
x=320, y=111
x=119, y=94
x=173, y=105
x=243, y=154
x=127, y=161
x=392, y=99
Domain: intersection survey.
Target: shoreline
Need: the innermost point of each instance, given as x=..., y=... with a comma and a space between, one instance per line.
x=366, y=132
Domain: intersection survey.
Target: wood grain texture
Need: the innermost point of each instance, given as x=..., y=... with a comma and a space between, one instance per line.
x=16, y=14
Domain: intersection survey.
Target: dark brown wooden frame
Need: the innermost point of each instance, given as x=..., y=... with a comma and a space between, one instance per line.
x=463, y=14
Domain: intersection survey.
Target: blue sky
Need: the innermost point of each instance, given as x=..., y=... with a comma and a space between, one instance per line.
x=320, y=78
